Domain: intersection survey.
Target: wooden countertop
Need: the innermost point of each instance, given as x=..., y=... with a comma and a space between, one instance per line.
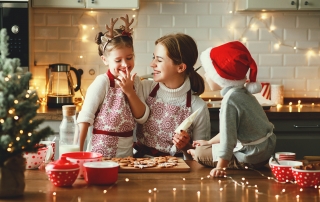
x=193, y=186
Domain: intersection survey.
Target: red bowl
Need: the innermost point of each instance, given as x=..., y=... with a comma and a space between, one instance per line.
x=82, y=157
x=306, y=178
x=283, y=172
x=101, y=173
x=62, y=172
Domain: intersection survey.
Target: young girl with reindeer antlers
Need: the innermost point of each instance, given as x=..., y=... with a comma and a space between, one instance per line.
x=114, y=101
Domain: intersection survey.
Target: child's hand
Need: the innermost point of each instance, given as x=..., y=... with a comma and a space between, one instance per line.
x=127, y=82
x=218, y=172
x=191, y=152
x=181, y=139
x=199, y=143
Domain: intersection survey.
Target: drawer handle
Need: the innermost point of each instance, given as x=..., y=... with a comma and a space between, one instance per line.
x=296, y=126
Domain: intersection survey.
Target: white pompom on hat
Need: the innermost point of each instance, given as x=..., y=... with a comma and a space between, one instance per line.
x=228, y=64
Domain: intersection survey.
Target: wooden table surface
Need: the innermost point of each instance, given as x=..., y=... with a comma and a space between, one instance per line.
x=193, y=186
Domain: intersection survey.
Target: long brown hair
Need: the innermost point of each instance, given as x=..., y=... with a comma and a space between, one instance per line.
x=182, y=48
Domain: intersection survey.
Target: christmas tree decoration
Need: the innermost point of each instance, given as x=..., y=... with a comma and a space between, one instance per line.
x=19, y=130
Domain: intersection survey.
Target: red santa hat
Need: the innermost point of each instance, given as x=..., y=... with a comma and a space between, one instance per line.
x=228, y=64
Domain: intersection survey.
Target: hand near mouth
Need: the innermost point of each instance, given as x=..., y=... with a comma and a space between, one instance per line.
x=126, y=82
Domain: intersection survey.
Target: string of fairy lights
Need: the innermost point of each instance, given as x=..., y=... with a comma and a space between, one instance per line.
x=223, y=182
x=262, y=18
x=12, y=112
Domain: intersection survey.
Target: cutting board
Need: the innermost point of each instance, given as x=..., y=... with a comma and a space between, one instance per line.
x=181, y=167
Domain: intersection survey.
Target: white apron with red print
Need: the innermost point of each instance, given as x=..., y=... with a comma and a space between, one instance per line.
x=113, y=127
x=158, y=130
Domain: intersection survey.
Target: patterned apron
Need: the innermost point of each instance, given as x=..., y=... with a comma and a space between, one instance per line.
x=157, y=132
x=113, y=127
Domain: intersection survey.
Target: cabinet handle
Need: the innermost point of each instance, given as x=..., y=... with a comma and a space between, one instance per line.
x=296, y=126
x=292, y=2
x=306, y=3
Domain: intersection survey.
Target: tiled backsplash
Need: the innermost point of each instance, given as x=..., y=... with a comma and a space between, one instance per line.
x=67, y=36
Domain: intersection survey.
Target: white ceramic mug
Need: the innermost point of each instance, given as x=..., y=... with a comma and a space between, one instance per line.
x=51, y=145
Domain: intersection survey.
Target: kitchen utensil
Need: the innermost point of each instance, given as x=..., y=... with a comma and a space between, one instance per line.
x=101, y=172
x=275, y=159
x=181, y=167
x=184, y=126
x=51, y=150
x=62, y=172
x=35, y=159
x=283, y=170
x=60, y=89
x=312, y=158
x=306, y=178
x=81, y=157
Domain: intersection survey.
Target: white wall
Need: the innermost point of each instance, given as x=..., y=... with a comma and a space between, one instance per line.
x=60, y=36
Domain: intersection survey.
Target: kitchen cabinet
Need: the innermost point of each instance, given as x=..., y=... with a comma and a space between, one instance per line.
x=309, y=5
x=299, y=136
x=274, y=5
x=95, y=4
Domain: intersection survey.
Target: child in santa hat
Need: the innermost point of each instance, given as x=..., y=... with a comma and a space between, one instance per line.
x=246, y=136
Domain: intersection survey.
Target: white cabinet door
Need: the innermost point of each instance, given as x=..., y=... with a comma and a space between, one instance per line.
x=59, y=3
x=309, y=5
x=259, y=5
x=113, y=4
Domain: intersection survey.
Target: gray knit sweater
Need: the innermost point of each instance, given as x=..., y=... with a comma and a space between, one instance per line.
x=242, y=118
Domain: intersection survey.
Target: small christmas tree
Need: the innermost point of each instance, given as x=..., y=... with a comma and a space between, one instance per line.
x=18, y=108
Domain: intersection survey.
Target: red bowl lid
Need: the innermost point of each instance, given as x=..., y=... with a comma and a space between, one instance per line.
x=62, y=164
x=82, y=155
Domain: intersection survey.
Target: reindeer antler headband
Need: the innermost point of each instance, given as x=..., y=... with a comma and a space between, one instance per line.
x=111, y=34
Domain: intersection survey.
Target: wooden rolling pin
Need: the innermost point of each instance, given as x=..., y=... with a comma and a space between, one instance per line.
x=312, y=158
